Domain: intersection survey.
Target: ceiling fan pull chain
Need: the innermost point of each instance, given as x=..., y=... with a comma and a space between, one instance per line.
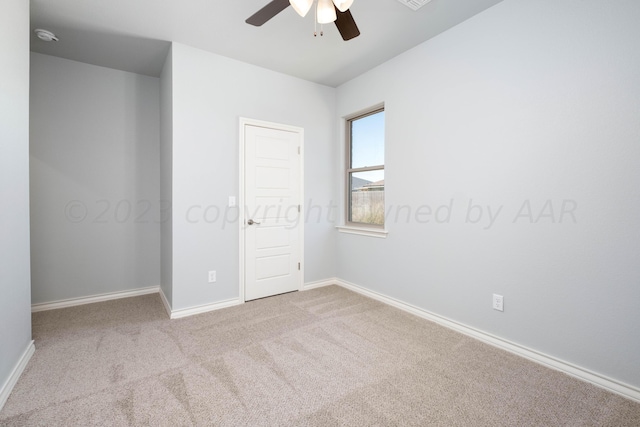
x=315, y=23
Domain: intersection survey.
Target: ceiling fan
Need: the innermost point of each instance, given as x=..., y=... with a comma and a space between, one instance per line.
x=327, y=11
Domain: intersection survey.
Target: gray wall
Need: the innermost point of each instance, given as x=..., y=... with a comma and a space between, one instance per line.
x=210, y=93
x=95, y=180
x=15, y=311
x=528, y=102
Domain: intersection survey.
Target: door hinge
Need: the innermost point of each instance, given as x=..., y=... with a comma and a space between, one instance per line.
x=298, y=208
x=298, y=266
x=298, y=150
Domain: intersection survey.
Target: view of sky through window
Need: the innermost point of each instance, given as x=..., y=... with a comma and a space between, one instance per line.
x=367, y=143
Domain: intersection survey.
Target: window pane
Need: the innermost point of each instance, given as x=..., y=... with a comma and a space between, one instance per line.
x=366, y=197
x=367, y=141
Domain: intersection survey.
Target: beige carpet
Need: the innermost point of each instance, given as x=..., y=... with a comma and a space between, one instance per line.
x=317, y=358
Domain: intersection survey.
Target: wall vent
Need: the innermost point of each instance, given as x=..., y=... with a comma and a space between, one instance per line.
x=414, y=4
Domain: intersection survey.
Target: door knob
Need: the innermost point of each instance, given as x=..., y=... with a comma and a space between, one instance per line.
x=251, y=222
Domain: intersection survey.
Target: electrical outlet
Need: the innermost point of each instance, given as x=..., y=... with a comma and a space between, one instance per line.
x=498, y=302
x=212, y=276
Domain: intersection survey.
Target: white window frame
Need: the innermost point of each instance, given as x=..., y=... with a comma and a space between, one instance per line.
x=366, y=229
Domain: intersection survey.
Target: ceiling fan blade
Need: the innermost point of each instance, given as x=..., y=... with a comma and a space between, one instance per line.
x=269, y=11
x=346, y=25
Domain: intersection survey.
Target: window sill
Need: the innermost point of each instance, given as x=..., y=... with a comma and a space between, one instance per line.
x=370, y=232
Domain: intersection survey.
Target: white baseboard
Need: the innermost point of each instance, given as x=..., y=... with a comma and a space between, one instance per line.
x=7, y=387
x=165, y=302
x=94, y=298
x=583, y=374
x=320, y=283
x=173, y=314
x=177, y=314
x=185, y=312
x=602, y=381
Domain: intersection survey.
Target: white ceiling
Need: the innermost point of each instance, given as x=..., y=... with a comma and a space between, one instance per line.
x=134, y=35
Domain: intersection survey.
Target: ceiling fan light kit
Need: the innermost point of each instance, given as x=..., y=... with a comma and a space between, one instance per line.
x=343, y=5
x=301, y=6
x=327, y=11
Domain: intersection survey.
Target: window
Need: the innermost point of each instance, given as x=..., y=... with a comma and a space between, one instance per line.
x=365, y=169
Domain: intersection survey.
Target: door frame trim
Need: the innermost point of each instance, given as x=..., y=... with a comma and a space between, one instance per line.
x=243, y=122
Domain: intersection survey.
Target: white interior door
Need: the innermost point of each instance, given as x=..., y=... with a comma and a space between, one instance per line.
x=272, y=225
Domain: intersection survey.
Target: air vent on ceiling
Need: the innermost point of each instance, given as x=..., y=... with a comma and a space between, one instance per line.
x=414, y=4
